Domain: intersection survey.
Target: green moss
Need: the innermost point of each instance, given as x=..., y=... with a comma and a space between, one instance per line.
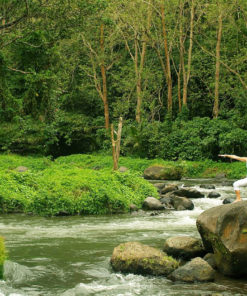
x=3, y=256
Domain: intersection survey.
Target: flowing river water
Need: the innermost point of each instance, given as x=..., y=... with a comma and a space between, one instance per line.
x=69, y=256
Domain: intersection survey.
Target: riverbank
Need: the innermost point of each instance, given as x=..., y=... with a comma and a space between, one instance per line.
x=86, y=184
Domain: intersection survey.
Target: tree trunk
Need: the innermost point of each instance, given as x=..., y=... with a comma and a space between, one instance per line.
x=103, y=74
x=116, y=143
x=187, y=73
x=217, y=70
x=168, y=67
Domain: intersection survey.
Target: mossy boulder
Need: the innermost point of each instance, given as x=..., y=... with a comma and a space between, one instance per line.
x=159, y=172
x=137, y=258
x=184, y=247
x=224, y=232
x=3, y=256
x=197, y=270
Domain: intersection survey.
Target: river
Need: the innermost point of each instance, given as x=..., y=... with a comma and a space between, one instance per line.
x=69, y=256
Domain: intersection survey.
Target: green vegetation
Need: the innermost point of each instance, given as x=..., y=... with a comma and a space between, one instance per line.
x=86, y=184
x=3, y=256
x=70, y=68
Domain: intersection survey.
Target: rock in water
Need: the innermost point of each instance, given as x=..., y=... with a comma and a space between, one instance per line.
x=181, y=203
x=168, y=188
x=152, y=203
x=224, y=231
x=229, y=200
x=158, y=172
x=213, y=194
x=207, y=186
x=184, y=247
x=189, y=193
x=134, y=257
x=197, y=270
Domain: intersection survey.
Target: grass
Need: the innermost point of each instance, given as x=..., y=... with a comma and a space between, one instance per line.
x=85, y=184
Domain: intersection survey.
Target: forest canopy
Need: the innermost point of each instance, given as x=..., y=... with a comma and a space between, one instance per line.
x=174, y=70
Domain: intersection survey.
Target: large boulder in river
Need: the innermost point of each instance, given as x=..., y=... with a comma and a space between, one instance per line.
x=159, y=172
x=134, y=257
x=197, y=270
x=152, y=203
x=189, y=193
x=184, y=247
x=224, y=231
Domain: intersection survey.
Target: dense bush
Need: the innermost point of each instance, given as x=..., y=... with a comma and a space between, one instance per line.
x=70, y=189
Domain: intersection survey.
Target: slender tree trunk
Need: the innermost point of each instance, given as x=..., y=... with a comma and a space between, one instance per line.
x=187, y=73
x=168, y=66
x=181, y=54
x=116, y=143
x=139, y=68
x=104, y=83
x=217, y=70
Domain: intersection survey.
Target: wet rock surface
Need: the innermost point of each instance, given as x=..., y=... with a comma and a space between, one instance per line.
x=134, y=257
x=224, y=231
x=197, y=270
x=152, y=203
x=184, y=247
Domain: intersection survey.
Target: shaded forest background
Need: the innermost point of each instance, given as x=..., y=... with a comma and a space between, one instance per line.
x=174, y=70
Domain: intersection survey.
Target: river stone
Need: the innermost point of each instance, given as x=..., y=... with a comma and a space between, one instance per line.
x=184, y=247
x=189, y=193
x=224, y=232
x=213, y=194
x=152, y=203
x=159, y=186
x=197, y=270
x=159, y=172
x=21, y=169
x=181, y=203
x=134, y=257
x=133, y=208
x=169, y=188
x=229, y=200
x=166, y=201
x=209, y=257
x=123, y=169
x=207, y=186
x=16, y=273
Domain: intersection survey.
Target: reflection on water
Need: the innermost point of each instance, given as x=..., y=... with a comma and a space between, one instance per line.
x=69, y=256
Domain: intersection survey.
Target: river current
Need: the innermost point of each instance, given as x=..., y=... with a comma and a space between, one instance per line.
x=69, y=256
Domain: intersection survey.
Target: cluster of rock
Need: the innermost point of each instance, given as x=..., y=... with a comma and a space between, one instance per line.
x=223, y=230
x=138, y=258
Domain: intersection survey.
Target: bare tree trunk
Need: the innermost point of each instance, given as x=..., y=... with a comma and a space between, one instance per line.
x=116, y=143
x=181, y=54
x=217, y=70
x=103, y=73
x=139, y=69
x=187, y=74
x=168, y=67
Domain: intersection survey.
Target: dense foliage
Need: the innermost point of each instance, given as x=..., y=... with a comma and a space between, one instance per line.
x=65, y=64
x=86, y=184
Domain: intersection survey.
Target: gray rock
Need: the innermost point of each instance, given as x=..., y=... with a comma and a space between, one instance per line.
x=228, y=200
x=207, y=186
x=197, y=270
x=159, y=186
x=168, y=188
x=152, y=203
x=21, y=169
x=224, y=232
x=189, y=193
x=213, y=194
x=159, y=172
x=209, y=257
x=134, y=257
x=181, y=203
x=166, y=201
x=220, y=176
x=123, y=169
x=133, y=208
x=184, y=247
